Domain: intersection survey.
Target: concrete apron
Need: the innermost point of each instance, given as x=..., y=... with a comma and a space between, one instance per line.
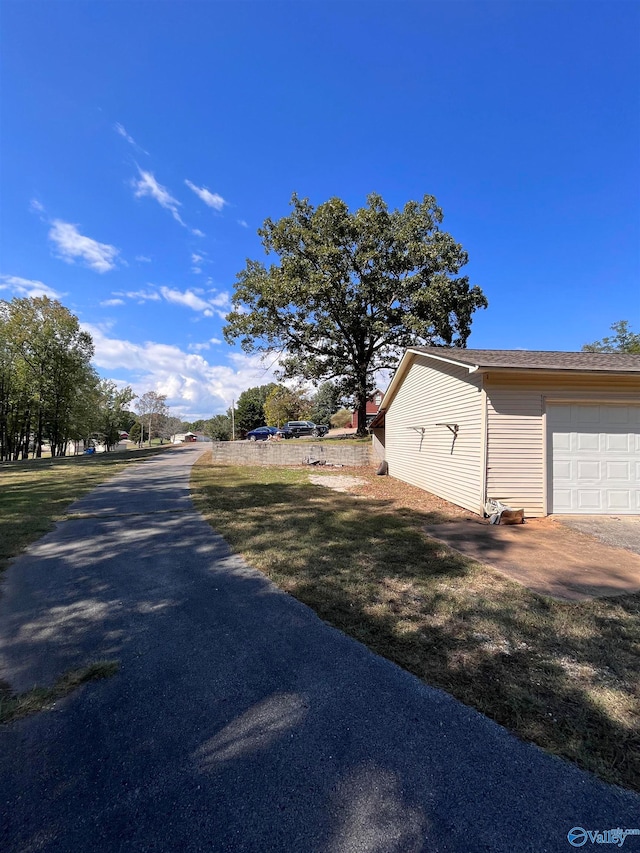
x=545, y=556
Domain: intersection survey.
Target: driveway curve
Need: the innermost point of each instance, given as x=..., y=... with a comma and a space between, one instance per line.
x=239, y=721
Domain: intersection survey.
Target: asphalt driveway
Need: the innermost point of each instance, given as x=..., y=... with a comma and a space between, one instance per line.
x=239, y=721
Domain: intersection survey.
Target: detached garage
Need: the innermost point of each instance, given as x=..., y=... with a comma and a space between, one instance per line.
x=552, y=432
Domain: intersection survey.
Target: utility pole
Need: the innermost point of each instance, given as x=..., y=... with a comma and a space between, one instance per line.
x=233, y=419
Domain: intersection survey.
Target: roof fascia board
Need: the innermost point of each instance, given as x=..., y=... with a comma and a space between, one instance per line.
x=553, y=370
x=470, y=367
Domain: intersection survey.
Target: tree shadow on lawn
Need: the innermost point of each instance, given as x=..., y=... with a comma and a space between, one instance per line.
x=35, y=493
x=561, y=674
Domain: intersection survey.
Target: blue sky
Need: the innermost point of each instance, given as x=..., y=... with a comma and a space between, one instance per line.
x=143, y=143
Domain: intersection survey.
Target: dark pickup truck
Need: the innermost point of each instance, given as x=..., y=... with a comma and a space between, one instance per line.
x=295, y=429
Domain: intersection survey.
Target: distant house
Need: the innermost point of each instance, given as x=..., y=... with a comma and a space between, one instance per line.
x=186, y=437
x=550, y=432
x=182, y=437
x=373, y=404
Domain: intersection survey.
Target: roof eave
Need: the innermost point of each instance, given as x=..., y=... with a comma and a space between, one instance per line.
x=406, y=359
x=553, y=370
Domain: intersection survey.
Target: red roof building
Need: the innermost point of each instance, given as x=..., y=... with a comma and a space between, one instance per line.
x=373, y=404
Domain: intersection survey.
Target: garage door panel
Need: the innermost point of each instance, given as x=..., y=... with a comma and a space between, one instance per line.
x=586, y=415
x=617, y=443
x=561, y=471
x=561, y=441
x=562, y=500
x=588, y=471
x=589, y=499
x=618, y=501
x=562, y=415
x=595, y=458
x=588, y=441
x=619, y=471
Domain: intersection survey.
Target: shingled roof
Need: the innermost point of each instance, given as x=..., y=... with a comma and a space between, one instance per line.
x=608, y=362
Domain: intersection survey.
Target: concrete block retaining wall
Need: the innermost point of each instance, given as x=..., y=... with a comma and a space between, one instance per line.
x=291, y=453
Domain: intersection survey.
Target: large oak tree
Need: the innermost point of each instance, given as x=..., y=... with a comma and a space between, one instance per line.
x=347, y=292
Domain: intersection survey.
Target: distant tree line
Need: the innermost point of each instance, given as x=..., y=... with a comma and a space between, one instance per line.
x=273, y=405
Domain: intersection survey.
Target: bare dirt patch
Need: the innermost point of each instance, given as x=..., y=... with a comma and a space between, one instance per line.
x=337, y=482
x=399, y=495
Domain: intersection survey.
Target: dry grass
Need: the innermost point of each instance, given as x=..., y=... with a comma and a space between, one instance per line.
x=34, y=494
x=15, y=706
x=563, y=675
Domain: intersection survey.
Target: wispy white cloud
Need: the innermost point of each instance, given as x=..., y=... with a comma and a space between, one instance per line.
x=205, y=345
x=148, y=186
x=193, y=386
x=210, y=199
x=71, y=245
x=198, y=233
x=190, y=299
x=243, y=223
x=208, y=303
x=196, y=261
x=112, y=302
x=120, y=129
x=220, y=299
x=37, y=206
x=187, y=298
x=123, y=133
x=26, y=287
x=143, y=259
x=140, y=296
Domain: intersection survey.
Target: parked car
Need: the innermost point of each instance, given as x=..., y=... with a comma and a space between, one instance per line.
x=294, y=429
x=261, y=433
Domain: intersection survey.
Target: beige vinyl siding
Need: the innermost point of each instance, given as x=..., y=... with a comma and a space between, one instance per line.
x=429, y=456
x=516, y=404
x=377, y=444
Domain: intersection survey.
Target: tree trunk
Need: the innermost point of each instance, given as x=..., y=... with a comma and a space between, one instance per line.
x=361, y=407
x=38, y=448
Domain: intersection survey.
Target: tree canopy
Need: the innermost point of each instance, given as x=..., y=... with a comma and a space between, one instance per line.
x=623, y=340
x=218, y=428
x=326, y=402
x=249, y=412
x=47, y=384
x=111, y=412
x=152, y=410
x=285, y=404
x=350, y=290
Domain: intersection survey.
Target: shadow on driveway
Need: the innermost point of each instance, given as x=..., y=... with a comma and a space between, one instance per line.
x=545, y=556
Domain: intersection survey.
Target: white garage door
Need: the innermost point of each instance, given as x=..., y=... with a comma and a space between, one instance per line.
x=595, y=458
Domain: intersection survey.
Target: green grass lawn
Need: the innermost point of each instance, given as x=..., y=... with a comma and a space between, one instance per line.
x=563, y=675
x=35, y=493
